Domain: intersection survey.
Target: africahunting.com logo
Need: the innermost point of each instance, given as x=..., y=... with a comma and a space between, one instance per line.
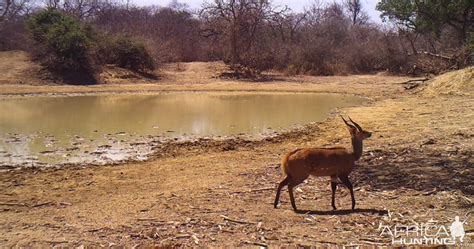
x=429, y=233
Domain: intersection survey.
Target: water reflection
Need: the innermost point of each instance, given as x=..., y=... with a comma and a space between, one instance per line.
x=52, y=130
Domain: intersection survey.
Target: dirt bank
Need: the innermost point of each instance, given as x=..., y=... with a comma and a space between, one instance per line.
x=418, y=166
x=23, y=78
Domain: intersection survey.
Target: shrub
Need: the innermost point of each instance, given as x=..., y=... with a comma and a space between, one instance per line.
x=61, y=42
x=132, y=55
x=73, y=50
x=70, y=45
x=124, y=52
x=40, y=24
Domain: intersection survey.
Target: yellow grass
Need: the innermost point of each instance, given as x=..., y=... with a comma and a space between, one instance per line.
x=460, y=82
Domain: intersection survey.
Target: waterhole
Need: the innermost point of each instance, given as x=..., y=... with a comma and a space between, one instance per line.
x=51, y=131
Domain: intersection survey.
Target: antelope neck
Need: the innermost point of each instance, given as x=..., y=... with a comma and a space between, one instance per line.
x=357, y=148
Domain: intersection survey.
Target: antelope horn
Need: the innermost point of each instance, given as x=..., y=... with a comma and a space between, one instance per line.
x=357, y=125
x=346, y=122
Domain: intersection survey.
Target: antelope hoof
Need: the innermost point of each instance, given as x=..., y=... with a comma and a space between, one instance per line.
x=334, y=208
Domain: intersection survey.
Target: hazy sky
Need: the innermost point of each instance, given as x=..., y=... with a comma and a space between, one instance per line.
x=296, y=5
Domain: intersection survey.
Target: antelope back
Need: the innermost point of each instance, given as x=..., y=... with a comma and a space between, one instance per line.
x=320, y=162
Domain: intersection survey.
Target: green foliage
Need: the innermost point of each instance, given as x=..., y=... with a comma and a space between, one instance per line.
x=402, y=11
x=61, y=41
x=132, y=55
x=429, y=15
x=124, y=52
x=68, y=47
x=40, y=24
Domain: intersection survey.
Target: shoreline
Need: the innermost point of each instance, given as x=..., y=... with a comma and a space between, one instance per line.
x=184, y=142
x=303, y=84
x=174, y=91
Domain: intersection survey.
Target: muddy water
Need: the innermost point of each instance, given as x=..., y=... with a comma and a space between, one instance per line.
x=44, y=131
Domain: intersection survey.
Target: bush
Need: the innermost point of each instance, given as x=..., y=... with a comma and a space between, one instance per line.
x=132, y=55
x=61, y=42
x=73, y=50
x=40, y=24
x=125, y=53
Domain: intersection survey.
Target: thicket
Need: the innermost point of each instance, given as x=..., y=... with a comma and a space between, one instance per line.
x=254, y=35
x=124, y=52
x=61, y=42
x=75, y=50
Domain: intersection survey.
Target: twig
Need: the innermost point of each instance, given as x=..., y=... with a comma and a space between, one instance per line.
x=254, y=190
x=148, y=219
x=94, y=230
x=51, y=241
x=256, y=243
x=438, y=55
x=13, y=204
x=413, y=80
x=156, y=221
x=56, y=241
x=262, y=189
x=433, y=191
x=384, y=195
x=466, y=198
x=182, y=236
x=236, y=221
x=372, y=242
x=353, y=245
x=324, y=242
x=43, y=204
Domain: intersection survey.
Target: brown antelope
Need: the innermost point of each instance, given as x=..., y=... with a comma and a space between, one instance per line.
x=336, y=162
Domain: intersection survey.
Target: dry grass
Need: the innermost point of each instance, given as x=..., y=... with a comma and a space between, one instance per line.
x=191, y=72
x=16, y=67
x=460, y=82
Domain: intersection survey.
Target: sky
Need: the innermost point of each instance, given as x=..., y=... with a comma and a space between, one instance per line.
x=296, y=5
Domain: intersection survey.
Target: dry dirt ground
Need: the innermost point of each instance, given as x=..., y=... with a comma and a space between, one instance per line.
x=417, y=167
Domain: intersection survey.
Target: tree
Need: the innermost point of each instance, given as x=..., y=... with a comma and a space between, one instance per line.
x=132, y=55
x=82, y=9
x=62, y=44
x=12, y=8
x=238, y=23
x=5, y=7
x=430, y=16
x=354, y=9
x=178, y=6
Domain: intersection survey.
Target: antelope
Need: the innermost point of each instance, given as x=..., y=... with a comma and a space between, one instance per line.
x=335, y=162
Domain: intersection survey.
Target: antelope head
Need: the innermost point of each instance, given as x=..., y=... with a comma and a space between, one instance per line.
x=356, y=131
